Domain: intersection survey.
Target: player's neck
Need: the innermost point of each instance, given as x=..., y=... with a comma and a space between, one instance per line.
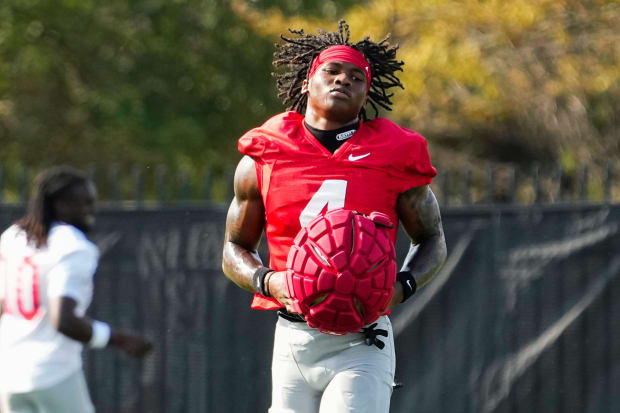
x=325, y=124
x=334, y=138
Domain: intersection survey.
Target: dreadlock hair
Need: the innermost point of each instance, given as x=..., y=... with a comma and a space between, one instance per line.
x=297, y=55
x=50, y=185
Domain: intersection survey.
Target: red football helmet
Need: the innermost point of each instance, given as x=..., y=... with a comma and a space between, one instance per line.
x=341, y=270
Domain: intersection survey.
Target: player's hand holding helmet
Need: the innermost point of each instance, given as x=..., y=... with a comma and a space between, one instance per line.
x=341, y=270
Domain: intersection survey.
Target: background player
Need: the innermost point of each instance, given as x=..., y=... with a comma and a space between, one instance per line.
x=325, y=154
x=46, y=285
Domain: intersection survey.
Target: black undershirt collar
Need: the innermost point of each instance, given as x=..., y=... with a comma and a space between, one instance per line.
x=333, y=139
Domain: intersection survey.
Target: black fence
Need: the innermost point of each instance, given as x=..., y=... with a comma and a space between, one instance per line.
x=149, y=185
x=523, y=317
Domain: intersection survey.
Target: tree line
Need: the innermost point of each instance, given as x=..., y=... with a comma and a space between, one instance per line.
x=174, y=83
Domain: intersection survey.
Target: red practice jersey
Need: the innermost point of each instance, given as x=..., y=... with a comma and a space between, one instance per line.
x=299, y=179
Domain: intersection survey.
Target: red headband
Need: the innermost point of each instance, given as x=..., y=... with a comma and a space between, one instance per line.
x=342, y=53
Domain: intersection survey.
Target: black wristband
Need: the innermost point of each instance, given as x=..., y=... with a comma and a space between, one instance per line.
x=408, y=282
x=259, y=280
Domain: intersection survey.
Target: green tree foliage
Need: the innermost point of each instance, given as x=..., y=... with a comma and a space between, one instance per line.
x=327, y=9
x=175, y=82
x=146, y=81
x=516, y=81
x=521, y=81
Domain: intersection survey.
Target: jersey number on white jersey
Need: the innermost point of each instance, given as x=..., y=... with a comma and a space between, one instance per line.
x=331, y=193
x=22, y=288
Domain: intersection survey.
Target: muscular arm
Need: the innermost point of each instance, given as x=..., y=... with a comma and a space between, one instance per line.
x=62, y=315
x=244, y=226
x=65, y=321
x=418, y=212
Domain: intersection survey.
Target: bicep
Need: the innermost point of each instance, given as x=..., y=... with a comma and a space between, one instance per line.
x=62, y=311
x=246, y=215
x=64, y=318
x=418, y=212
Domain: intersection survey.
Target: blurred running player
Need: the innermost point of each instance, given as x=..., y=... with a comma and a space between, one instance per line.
x=322, y=154
x=46, y=284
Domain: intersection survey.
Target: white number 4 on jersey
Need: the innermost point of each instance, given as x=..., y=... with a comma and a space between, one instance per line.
x=331, y=193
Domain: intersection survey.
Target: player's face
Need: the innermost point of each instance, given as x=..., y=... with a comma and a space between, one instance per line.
x=336, y=92
x=78, y=209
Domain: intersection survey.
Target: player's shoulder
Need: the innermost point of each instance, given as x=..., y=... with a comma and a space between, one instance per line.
x=277, y=126
x=65, y=239
x=11, y=232
x=283, y=121
x=274, y=133
x=396, y=133
x=10, y=236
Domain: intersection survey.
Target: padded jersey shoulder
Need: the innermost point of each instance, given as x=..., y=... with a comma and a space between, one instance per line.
x=267, y=139
x=65, y=239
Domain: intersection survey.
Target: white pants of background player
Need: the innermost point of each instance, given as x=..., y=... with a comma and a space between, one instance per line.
x=314, y=372
x=68, y=396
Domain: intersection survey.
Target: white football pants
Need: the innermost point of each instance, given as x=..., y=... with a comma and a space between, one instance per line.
x=314, y=372
x=68, y=396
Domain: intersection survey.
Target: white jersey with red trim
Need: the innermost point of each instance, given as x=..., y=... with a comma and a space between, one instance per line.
x=33, y=354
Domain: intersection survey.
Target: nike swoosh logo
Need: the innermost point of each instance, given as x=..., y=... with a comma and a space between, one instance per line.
x=409, y=284
x=357, y=158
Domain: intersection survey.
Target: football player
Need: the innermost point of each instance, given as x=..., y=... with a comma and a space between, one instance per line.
x=46, y=285
x=326, y=153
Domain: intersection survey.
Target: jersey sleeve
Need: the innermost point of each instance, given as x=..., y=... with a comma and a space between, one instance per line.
x=415, y=167
x=3, y=270
x=253, y=144
x=267, y=142
x=2, y=278
x=256, y=142
x=72, y=275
